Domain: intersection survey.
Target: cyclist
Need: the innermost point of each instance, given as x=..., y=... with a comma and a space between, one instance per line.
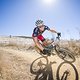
x=37, y=35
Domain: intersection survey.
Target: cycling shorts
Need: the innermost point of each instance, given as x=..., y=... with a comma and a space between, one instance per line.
x=40, y=37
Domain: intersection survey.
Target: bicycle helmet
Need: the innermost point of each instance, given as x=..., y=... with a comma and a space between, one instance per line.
x=39, y=23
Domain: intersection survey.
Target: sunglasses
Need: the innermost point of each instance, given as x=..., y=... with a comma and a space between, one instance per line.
x=41, y=26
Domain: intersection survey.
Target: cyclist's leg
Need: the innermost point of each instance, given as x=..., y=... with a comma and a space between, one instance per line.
x=35, y=46
x=43, y=40
x=37, y=49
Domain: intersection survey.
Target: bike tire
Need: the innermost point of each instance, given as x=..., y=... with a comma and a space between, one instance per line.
x=70, y=67
x=65, y=54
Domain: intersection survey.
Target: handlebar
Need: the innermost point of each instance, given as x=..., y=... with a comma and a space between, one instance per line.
x=57, y=37
x=59, y=34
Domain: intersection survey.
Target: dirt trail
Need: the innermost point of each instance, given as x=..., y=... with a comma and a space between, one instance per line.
x=15, y=65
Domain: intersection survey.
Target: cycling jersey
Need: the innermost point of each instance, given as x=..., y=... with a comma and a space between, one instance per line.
x=37, y=33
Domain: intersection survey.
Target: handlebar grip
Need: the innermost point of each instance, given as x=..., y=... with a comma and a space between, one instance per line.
x=59, y=34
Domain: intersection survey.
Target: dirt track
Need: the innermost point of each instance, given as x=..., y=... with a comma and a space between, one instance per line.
x=15, y=64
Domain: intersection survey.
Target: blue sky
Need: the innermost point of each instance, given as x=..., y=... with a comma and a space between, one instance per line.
x=17, y=17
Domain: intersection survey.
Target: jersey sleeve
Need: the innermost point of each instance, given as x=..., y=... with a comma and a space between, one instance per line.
x=47, y=28
x=35, y=32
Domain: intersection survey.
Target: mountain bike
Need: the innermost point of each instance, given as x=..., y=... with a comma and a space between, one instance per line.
x=41, y=65
x=63, y=53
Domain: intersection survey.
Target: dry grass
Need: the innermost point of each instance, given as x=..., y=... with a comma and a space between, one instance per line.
x=15, y=64
x=73, y=46
x=16, y=43
x=27, y=44
x=13, y=67
x=16, y=46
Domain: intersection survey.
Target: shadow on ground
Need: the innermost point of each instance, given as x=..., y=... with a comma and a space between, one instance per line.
x=42, y=68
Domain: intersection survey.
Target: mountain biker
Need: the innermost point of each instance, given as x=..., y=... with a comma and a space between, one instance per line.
x=37, y=35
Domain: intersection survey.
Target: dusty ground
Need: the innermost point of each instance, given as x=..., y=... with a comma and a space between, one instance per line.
x=15, y=64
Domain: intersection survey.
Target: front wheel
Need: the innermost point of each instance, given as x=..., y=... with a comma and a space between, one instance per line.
x=65, y=54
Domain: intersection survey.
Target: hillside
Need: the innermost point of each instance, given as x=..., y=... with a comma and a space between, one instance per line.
x=17, y=55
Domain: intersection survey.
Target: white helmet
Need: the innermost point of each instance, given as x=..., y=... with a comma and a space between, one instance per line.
x=39, y=23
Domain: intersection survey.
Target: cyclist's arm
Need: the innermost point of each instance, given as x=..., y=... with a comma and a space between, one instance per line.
x=38, y=44
x=52, y=30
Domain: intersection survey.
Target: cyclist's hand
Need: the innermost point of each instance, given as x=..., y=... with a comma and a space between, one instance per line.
x=59, y=34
